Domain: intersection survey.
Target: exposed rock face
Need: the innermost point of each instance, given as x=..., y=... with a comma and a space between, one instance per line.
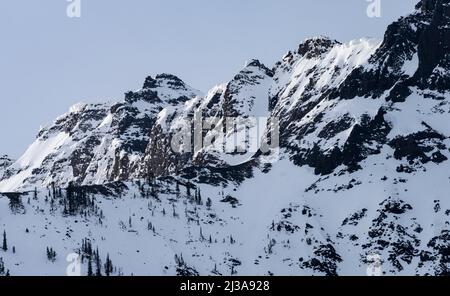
x=316, y=47
x=434, y=46
x=5, y=162
x=98, y=143
x=413, y=56
x=333, y=101
x=426, y=5
x=245, y=95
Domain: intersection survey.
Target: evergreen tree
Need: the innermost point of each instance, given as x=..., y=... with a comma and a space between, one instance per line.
x=90, y=273
x=177, y=189
x=53, y=189
x=51, y=254
x=5, y=243
x=70, y=198
x=98, y=264
x=208, y=203
x=108, y=266
x=153, y=192
x=2, y=267
x=188, y=189
x=65, y=212
x=86, y=248
x=199, y=197
x=201, y=234
x=174, y=213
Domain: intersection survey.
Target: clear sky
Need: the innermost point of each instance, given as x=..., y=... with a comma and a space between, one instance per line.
x=49, y=61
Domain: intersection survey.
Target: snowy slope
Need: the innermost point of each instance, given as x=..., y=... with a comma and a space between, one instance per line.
x=276, y=228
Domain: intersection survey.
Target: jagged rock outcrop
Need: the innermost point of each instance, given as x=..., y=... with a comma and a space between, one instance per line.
x=244, y=96
x=5, y=162
x=333, y=102
x=411, y=61
x=98, y=143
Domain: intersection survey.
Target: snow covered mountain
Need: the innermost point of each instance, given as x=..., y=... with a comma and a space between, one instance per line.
x=97, y=143
x=361, y=182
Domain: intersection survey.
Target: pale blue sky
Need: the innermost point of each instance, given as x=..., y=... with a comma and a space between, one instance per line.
x=48, y=61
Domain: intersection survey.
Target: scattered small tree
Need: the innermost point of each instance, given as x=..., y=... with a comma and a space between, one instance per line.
x=208, y=203
x=177, y=189
x=3, y=270
x=51, y=254
x=188, y=189
x=2, y=267
x=5, y=243
x=90, y=272
x=98, y=264
x=108, y=266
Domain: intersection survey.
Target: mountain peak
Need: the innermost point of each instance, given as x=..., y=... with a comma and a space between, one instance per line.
x=254, y=63
x=316, y=46
x=163, y=88
x=149, y=82
x=163, y=78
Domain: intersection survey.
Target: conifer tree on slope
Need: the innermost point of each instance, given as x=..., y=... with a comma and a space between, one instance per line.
x=5, y=244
